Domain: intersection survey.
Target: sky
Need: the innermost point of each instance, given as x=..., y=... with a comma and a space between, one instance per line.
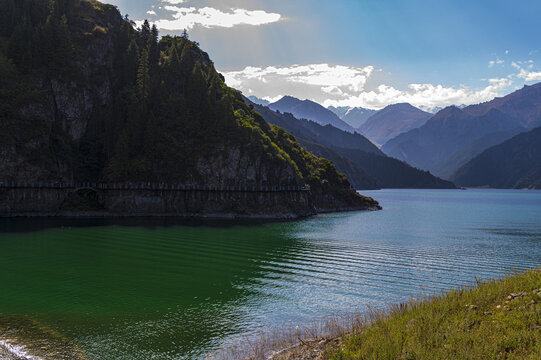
x=367, y=53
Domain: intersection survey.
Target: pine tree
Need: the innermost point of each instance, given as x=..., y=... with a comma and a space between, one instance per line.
x=143, y=77
x=153, y=52
x=185, y=35
x=145, y=33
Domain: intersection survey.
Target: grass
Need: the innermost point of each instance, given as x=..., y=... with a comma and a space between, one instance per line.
x=493, y=319
x=497, y=319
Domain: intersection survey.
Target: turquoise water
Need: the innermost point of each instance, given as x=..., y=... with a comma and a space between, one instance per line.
x=164, y=289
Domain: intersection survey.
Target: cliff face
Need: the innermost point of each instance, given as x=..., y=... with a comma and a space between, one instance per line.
x=125, y=203
x=89, y=98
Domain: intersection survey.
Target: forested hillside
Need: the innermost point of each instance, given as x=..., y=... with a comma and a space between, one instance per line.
x=86, y=97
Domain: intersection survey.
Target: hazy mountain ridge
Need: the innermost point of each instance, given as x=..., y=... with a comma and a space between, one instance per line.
x=392, y=121
x=515, y=163
x=307, y=109
x=436, y=142
x=259, y=101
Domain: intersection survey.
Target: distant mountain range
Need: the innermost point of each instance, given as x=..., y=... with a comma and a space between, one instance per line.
x=366, y=166
x=353, y=116
x=515, y=163
x=454, y=136
x=307, y=109
x=392, y=121
x=436, y=109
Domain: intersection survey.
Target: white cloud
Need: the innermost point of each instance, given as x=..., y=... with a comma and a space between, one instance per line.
x=208, y=17
x=339, y=85
x=174, y=2
x=151, y=12
x=301, y=79
x=529, y=75
x=498, y=61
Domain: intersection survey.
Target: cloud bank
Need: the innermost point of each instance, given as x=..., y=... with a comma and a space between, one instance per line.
x=339, y=85
x=208, y=17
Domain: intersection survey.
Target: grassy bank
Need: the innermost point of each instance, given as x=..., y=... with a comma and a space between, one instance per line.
x=498, y=319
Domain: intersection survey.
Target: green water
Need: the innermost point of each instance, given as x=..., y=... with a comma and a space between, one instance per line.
x=163, y=289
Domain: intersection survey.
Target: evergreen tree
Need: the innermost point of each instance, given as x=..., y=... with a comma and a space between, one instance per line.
x=185, y=35
x=153, y=52
x=145, y=33
x=143, y=77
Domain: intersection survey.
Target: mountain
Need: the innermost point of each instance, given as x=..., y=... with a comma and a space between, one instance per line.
x=353, y=116
x=340, y=111
x=446, y=168
x=259, y=101
x=452, y=128
x=307, y=109
x=357, y=116
x=436, y=109
x=364, y=164
x=392, y=121
x=515, y=163
x=87, y=98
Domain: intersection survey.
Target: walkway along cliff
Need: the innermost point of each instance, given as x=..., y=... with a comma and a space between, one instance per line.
x=151, y=199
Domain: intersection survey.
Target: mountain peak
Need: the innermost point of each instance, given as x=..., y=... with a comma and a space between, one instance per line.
x=310, y=110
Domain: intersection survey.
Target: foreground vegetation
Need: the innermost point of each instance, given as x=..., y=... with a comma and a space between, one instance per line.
x=499, y=319
x=496, y=319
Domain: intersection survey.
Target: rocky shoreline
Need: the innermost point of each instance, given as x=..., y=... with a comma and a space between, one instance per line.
x=31, y=202
x=22, y=338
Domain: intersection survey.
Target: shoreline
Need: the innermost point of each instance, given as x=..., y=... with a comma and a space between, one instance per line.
x=195, y=216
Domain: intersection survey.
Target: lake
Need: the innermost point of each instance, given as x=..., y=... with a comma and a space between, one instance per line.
x=169, y=289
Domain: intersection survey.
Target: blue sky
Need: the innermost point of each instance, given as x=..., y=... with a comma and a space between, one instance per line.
x=362, y=52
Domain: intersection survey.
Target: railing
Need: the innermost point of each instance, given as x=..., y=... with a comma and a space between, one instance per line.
x=150, y=186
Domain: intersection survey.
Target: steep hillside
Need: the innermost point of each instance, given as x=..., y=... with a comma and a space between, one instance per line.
x=446, y=168
x=86, y=97
x=392, y=121
x=314, y=132
x=306, y=109
x=366, y=166
x=515, y=163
